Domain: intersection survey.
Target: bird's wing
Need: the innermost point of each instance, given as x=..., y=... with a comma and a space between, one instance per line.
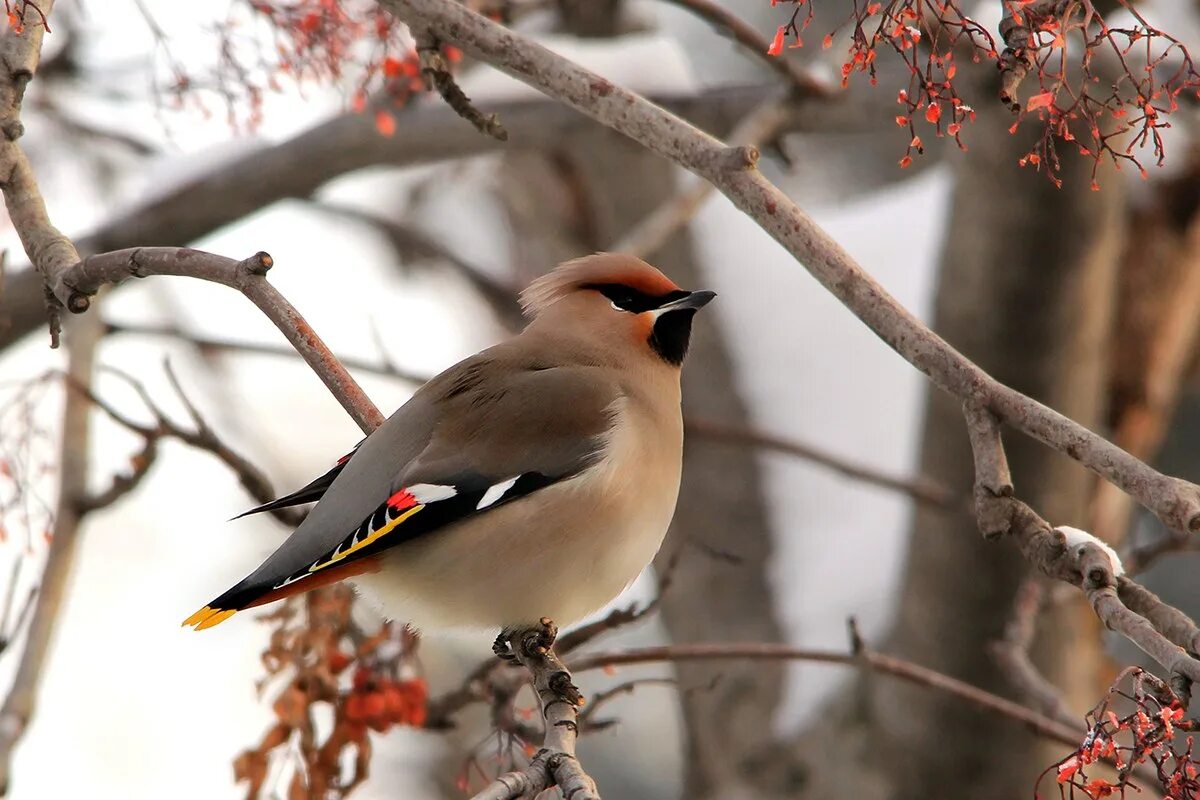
x=492, y=431
x=311, y=492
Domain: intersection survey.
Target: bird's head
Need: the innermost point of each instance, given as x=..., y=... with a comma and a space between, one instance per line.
x=618, y=300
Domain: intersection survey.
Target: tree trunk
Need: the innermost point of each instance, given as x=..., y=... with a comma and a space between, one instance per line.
x=1026, y=290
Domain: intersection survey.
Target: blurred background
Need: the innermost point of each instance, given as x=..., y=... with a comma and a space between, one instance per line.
x=823, y=480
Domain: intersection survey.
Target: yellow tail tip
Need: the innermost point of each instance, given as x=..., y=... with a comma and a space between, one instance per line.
x=207, y=617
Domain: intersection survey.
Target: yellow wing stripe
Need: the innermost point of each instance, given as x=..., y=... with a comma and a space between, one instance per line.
x=208, y=616
x=374, y=536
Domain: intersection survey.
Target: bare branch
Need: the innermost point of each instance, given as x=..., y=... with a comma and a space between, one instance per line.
x=919, y=489
x=556, y=764
x=1175, y=501
x=202, y=437
x=866, y=658
x=74, y=286
x=1012, y=652
x=48, y=249
x=1160, y=630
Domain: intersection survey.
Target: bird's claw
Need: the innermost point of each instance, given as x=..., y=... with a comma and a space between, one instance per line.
x=501, y=647
x=538, y=640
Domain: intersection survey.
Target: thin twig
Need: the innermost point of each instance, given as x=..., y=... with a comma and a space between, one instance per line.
x=436, y=70
x=201, y=437
x=802, y=84
x=207, y=344
x=920, y=489
x=759, y=128
x=878, y=662
x=1011, y=652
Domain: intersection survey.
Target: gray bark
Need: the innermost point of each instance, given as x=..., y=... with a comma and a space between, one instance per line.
x=1026, y=291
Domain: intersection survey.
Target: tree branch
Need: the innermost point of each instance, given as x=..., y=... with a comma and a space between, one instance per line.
x=555, y=764
x=75, y=285
x=180, y=214
x=48, y=249
x=1075, y=557
x=1176, y=502
x=866, y=658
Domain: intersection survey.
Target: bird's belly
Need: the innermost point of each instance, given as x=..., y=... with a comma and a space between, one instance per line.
x=563, y=557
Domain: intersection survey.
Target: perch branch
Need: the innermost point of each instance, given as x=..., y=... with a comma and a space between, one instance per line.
x=555, y=764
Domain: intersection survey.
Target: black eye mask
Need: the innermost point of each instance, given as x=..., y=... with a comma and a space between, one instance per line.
x=629, y=299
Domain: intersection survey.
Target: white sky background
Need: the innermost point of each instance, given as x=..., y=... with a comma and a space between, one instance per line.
x=133, y=706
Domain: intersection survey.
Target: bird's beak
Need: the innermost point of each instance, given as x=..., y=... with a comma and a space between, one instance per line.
x=693, y=301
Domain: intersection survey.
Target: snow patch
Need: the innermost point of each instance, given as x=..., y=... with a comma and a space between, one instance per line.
x=1076, y=540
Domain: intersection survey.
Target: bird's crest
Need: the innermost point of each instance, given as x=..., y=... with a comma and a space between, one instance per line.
x=599, y=268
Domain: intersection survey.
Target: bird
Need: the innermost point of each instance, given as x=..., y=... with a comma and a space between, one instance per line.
x=533, y=480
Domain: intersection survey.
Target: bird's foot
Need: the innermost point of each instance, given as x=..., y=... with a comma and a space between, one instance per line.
x=534, y=647
x=501, y=646
x=538, y=640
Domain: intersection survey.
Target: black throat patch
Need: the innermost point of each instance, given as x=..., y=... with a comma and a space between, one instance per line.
x=671, y=333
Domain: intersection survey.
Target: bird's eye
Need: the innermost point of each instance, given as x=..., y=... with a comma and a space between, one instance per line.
x=623, y=298
x=622, y=301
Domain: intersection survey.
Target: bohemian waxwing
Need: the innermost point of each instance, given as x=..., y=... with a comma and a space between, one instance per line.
x=534, y=479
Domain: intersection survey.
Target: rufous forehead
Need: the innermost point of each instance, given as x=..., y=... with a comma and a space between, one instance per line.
x=653, y=283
